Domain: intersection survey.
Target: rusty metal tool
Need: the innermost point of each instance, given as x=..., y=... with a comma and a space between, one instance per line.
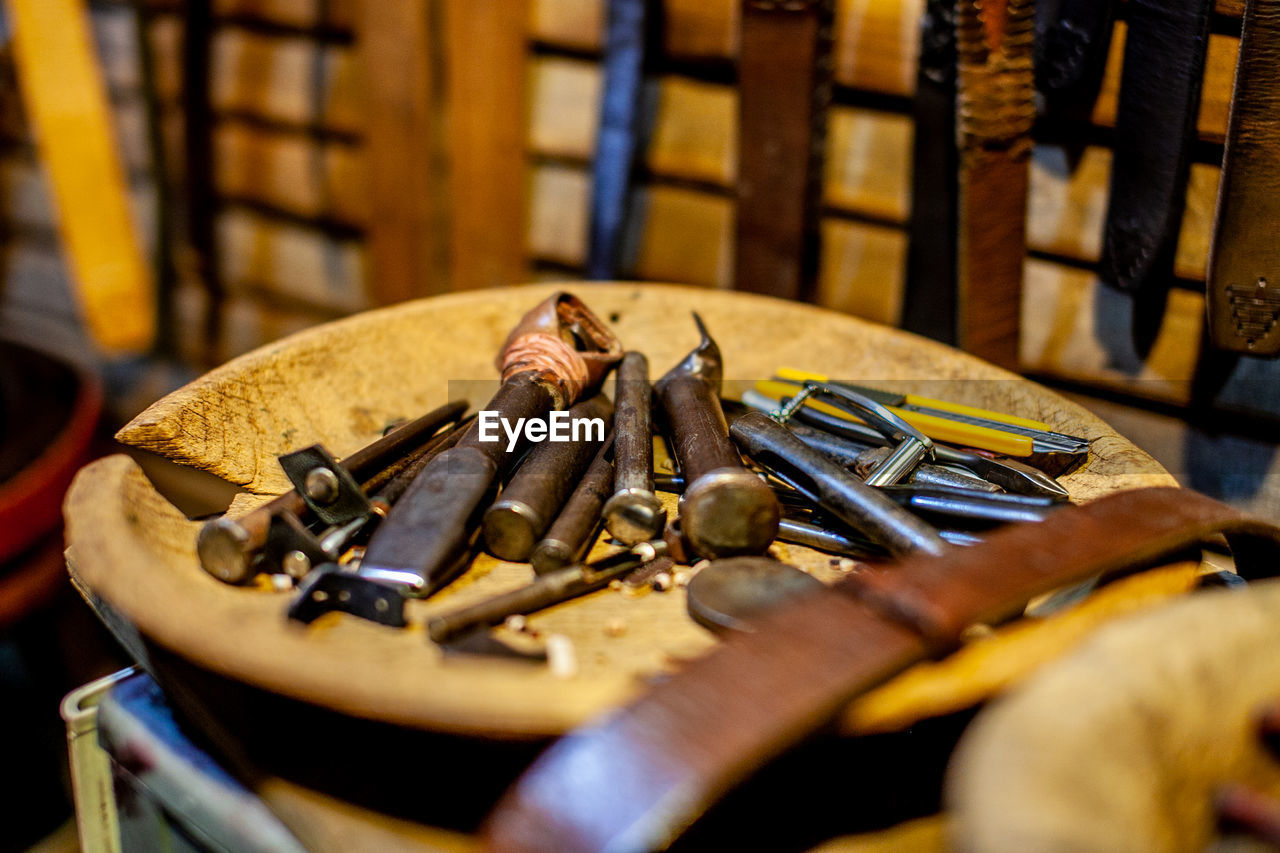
x=728, y=594
x=557, y=351
x=552, y=588
x=956, y=507
x=726, y=510
x=575, y=528
x=228, y=548
x=1008, y=474
x=634, y=514
x=772, y=446
x=540, y=486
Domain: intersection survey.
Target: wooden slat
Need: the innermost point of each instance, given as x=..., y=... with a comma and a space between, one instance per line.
x=291, y=172
x=165, y=36
x=303, y=14
x=862, y=270
x=407, y=248
x=876, y=40
x=279, y=79
x=868, y=151
x=1077, y=328
x=263, y=254
x=486, y=103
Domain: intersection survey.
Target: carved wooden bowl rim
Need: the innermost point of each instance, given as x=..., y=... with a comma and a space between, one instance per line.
x=340, y=382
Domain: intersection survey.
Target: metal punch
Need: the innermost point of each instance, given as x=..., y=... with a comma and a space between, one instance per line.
x=1008, y=474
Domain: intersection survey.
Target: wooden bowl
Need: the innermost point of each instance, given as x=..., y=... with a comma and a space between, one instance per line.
x=133, y=552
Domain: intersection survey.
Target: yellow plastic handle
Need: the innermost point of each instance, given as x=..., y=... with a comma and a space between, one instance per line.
x=938, y=428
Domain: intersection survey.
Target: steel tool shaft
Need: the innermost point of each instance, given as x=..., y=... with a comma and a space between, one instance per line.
x=833, y=488
x=571, y=534
x=541, y=485
x=228, y=547
x=634, y=513
x=557, y=351
x=725, y=510
x=549, y=589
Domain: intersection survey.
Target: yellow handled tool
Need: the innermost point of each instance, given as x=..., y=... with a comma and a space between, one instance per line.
x=938, y=428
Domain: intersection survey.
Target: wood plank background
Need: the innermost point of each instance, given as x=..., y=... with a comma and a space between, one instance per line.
x=300, y=209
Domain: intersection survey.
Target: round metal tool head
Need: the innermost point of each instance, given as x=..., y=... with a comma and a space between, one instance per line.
x=221, y=546
x=511, y=529
x=728, y=594
x=634, y=515
x=729, y=512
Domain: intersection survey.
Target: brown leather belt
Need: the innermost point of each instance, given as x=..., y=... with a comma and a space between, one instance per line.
x=996, y=108
x=634, y=780
x=1244, y=265
x=784, y=77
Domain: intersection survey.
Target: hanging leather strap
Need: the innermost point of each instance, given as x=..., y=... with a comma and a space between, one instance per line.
x=784, y=78
x=995, y=112
x=929, y=295
x=1244, y=262
x=637, y=778
x=628, y=41
x=1155, y=129
x=1073, y=38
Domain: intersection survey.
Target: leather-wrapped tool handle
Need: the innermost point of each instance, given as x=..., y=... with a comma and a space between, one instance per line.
x=639, y=777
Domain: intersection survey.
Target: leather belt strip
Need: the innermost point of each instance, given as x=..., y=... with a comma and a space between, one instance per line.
x=637, y=778
x=784, y=77
x=996, y=109
x=630, y=34
x=1244, y=264
x=1073, y=38
x=1155, y=129
x=929, y=295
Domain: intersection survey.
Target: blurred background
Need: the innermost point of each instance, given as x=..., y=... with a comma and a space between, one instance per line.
x=287, y=162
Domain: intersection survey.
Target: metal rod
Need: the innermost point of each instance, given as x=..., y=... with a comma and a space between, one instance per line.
x=634, y=514
x=573, y=531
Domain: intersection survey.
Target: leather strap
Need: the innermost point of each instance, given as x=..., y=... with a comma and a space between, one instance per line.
x=784, y=77
x=1155, y=130
x=929, y=295
x=1073, y=38
x=628, y=41
x=637, y=778
x=996, y=109
x=1244, y=262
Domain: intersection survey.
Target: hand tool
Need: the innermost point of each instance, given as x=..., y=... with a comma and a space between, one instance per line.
x=925, y=474
x=953, y=506
x=910, y=446
x=862, y=507
x=726, y=510
x=728, y=594
x=540, y=486
x=1008, y=474
x=228, y=547
x=912, y=406
x=1244, y=260
x=633, y=514
x=549, y=589
x=573, y=531
x=296, y=550
x=558, y=350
